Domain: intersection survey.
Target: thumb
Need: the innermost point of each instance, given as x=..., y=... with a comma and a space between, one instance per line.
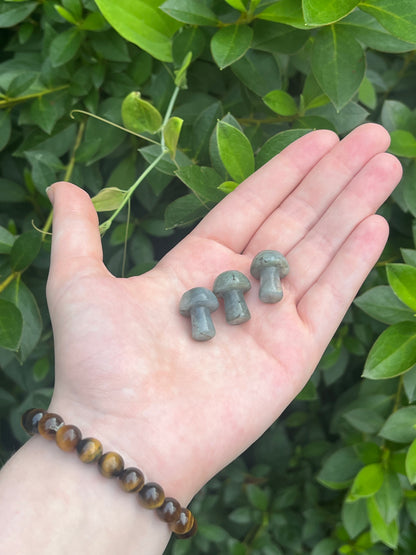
x=76, y=241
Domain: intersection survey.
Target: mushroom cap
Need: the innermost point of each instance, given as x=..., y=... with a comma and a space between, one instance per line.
x=267, y=259
x=232, y=280
x=198, y=297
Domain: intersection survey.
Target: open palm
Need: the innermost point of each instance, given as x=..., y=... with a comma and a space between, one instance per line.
x=127, y=369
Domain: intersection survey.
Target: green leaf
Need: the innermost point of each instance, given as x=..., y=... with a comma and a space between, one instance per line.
x=213, y=533
x=367, y=482
x=400, y=426
x=140, y=115
x=399, y=18
x=281, y=102
x=393, y=353
x=67, y=15
x=367, y=94
x=24, y=250
x=354, y=517
x=409, y=256
x=382, y=304
x=365, y=420
x=338, y=64
x=258, y=71
x=327, y=546
x=194, y=12
x=235, y=151
x=6, y=240
x=65, y=46
x=171, y=132
x=257, y=497
x=230, y=43
x=142, y=23
x=402, y=279
x=184, y=211
x=386, y=533
x=166, y=165
x=403, y=143
x=411, y=463
x=322, y=12
x=276, y=37
x=339, y=469
x=284, y=11
x=11, y=323
x=180, y=74
x=277, y=143
x=41, y=369
x=368, y=31
x=396, y=115
x=228, y=186
x=110, y=46
x=237, y=4
x=389, y=497
x=203, y=181
x=13, y=13
x=5, y=128
x=93, y=22
x=108, y=199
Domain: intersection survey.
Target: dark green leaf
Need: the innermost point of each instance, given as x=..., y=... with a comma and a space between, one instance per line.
x=365, y=420
x=13, y=13
x=166, y=165
x=393, y=353
x=400, y=426
x=284, y=11
x=340, y=469
x=276, y=37
x=24, y=250
x=402, y=279
x=322, y=12
x=230, y=43
x=354, y=517
x=188, y=39
x=11, y=323
x=110, y=46
x=259, y=71
x=202, y=181
x=382, y=304
x=338, y=64
x=5, y=128
x=6, y=240
x=195, y=12
x=389, y=497
x=142, y=23
x=396, y=115
x=184, y=211
x=399, y=18
x=257, y=497
x=65, y=46
x=213, y=533
x=277, y=143
x=409, y=256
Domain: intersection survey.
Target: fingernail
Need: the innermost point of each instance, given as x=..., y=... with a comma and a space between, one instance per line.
x=49, y=192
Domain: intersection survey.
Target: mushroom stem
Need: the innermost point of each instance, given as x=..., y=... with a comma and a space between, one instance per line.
x=270, y=286
x=236, y=311
x=202, y=325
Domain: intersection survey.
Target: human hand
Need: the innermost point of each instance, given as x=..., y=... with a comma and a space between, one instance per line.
x=127, y=370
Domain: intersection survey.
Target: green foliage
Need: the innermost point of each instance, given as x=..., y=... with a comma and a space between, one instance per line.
x=166, y=107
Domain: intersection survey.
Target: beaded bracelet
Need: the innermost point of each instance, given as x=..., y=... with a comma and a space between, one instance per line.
x=151, y=495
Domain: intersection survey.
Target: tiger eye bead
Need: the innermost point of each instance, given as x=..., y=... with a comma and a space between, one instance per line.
x=89, y=450
x=49, y=425
x=131, y=479
x=151, y=496
x=170, y=510
x=185, y=526
x=110, y=464
x=30, y=420
x=67, y=437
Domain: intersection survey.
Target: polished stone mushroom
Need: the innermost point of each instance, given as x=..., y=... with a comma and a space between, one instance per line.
x=270, y=267
x=197, y=304
x=231, y=286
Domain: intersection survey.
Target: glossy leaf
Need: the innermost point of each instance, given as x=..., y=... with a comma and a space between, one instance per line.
x=281, y=102
x=235, y=151
x=277, y=143
x=322, y=12
x=13, y=13
x=6, y=240
x=411, y=463
x=142, y=23
x=400, y=426
x=285, y=11
x=399, y=18
x=139, y=115
x=403, y=143
x=338, y=64
x=393, y=353
x=228, y=186
x=367, y=482
x=203, y=181
x=258, y=71
x=238, y=4
x=389, y=497
x=402, y=279
x=108, y=199
x=230, y=43
x=354, y=517
x=386, y=533
x=11, y=324
x=184, y=211
x=340, y=469
x=382, y=304
x=65, y=46
x=194, y=12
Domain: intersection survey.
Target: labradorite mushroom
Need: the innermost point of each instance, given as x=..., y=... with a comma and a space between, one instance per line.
x=231, y=286
x=270, y=266
x=197, y=304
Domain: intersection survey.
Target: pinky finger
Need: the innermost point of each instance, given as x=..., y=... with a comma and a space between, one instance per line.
x=324, y=305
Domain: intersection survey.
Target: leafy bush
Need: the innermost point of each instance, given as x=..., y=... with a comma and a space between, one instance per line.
x=202, y=92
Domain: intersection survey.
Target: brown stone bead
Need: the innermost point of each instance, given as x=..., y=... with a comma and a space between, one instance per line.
x=151, y=495
x=190, y=532
x=184, y=524
x=67, y=437
x=89, y=450
x=131, y=479
x=110, y=464
x=30, y=420
x=49, y=424
x=170, y=510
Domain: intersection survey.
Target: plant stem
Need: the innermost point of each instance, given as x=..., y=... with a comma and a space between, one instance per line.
x=9, y=102
x=168, y=113
x=8, y=280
